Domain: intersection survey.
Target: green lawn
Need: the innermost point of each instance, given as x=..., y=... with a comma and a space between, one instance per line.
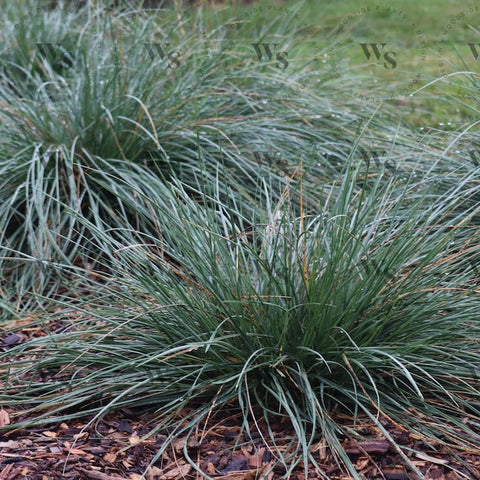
x=428, y=40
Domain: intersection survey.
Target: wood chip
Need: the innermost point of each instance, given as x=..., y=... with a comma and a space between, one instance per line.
x=4, y=473
x=244, y=475
x=395, y=474
x=428, y=458
x=12, y=339
x=93, y=474
x=110, y=457
x=321, y=447
x=10, y=444
x=124, y=426
x=177, y=472
x=369, y=446
x=4, y=417
x=178, y=444
x=153, y=473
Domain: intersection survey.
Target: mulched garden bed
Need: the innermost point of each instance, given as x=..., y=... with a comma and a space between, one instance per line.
x=222, y=449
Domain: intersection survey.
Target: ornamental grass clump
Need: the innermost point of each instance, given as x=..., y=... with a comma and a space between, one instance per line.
x=87, y=92
x=366, y=308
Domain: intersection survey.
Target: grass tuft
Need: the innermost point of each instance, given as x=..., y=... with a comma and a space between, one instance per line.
x=365, y=308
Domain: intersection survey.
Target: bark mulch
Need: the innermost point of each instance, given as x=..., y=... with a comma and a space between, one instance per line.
x=114, y=448
x=222, y=449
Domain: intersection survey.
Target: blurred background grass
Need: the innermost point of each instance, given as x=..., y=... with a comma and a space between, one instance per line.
x=430, y=40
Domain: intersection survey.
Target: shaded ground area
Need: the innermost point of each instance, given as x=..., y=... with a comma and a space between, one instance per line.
x=221, y=449
x=114, y=448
